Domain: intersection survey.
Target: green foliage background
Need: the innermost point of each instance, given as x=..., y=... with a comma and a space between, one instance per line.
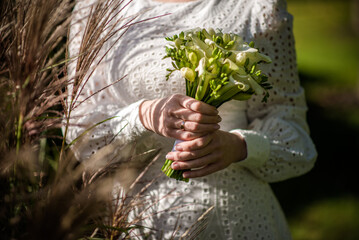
x=324, y=204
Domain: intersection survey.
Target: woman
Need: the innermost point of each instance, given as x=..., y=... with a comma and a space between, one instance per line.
x=232, y=166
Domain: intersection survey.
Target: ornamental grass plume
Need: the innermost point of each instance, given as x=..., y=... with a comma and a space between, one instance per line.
x=32, y=38
x=39, y=197
x=45, y=192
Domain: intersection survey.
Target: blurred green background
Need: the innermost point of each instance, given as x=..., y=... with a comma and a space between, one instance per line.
x=324, y=204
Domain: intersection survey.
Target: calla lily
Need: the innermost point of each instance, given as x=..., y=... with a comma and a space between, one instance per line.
x=201, y=45
x=252, y=54
x=252, y=83
x=201, y=68
x=188, y=74
x=234, y=67
x=210, y=43
x=204, y=78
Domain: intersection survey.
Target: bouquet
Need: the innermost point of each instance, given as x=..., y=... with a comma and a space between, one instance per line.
x=216, y=67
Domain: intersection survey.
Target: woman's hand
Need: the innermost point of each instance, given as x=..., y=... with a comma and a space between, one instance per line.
x=166, y=115
x=208, y=154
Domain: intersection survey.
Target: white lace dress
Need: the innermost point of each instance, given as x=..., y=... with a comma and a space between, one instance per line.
x=276, y=133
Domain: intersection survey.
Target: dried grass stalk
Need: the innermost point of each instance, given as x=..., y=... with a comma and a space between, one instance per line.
x=47, y=193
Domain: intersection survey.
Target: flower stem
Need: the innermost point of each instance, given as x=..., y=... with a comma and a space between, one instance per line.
x=176, y=174
x=18, y=133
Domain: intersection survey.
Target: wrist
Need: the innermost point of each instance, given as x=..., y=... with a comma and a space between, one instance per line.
x=240, y=147
x=144, y=113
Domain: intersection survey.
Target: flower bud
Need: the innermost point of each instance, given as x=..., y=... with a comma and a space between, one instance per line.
x=188, y=74
x=211, y=31
x=226, y=38
x=193, y=58
x=178, y=42
x=230, y=43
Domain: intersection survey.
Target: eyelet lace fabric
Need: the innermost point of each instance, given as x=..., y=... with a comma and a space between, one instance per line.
x=277, y=136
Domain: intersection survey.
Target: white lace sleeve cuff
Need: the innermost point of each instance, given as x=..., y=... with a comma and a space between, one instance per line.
x=130, y=124
x=258, y=148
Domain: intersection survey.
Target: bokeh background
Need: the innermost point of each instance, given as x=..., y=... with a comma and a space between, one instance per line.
x=324, y=204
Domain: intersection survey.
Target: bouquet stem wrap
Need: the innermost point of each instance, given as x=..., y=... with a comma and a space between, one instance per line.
x=217, y=67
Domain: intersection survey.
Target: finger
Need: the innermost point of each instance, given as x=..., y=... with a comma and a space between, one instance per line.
x=200, y=127
x=185, y=135
x=203, y=171
x=194, y=126
x=188, y=115
x=198, y=106
x=194, y=163
x=188, y=156
x=196, y=144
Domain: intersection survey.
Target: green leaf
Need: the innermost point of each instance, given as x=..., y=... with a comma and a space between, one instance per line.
x=181, y=35
x=246, y=63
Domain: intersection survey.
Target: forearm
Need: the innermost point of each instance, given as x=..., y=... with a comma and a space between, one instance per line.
x=93, y=126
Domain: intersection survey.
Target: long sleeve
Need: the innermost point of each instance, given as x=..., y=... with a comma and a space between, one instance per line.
x=103, y=117
x=278, y=141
